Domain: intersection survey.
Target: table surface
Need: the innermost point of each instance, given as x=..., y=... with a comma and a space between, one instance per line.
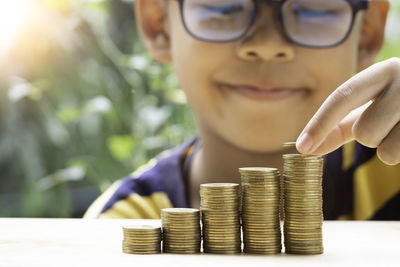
x=79, y=242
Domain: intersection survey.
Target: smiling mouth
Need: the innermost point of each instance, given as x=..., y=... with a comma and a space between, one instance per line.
x=271, y=94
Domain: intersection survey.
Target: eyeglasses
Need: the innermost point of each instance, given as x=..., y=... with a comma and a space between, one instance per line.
x=309, y=23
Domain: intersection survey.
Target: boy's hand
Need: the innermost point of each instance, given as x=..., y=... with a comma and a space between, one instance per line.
x=365, y=108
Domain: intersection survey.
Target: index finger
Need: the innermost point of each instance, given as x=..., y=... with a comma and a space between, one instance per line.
x=352, y=94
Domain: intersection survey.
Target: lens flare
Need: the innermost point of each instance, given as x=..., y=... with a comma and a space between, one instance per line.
x=12, y=15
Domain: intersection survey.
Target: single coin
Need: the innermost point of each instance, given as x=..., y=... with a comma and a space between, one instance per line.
x=289, y=144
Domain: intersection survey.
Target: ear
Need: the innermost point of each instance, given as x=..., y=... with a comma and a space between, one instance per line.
x=373, y=33
x=151, y=21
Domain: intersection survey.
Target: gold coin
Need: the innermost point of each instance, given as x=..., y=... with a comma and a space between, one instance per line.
x=289, y=144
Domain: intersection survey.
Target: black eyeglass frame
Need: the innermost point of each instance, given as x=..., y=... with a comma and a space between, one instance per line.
x=356, y=6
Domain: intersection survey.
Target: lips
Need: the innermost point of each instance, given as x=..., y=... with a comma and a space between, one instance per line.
x=265, y=94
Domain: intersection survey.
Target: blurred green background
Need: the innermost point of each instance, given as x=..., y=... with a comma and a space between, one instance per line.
x=82, y=104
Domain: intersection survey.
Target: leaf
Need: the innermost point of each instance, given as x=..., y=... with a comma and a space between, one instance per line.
x=121, y=146
x=74, y=173
x=98, y=104
x=69, y=114
x=153, y=117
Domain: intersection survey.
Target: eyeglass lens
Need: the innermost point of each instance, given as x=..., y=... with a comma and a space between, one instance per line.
x=306, y=22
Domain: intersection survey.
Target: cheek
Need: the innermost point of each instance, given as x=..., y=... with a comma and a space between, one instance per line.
x=331, y=68
x=195, y=62
x=334, y=66
x=193, y=72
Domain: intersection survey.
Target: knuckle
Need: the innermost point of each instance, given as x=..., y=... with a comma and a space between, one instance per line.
x=344, y=92
x=394, y=66
x=363, y=134
x=388, y=155
x=318, y=123
x=342, y=132
x=394, y=61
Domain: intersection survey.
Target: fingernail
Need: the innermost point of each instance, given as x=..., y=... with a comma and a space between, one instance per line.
x=304, y=143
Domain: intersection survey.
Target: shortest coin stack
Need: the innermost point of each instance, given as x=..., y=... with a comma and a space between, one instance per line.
x=181, y=230
x=141, y=239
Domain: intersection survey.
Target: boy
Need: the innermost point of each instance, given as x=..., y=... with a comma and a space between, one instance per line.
x=255, y=72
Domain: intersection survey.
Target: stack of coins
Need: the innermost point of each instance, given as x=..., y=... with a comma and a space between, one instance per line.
x=181, y=230
x=303, y=204
x=141, y=239
x=260, y=210
x=219, y=205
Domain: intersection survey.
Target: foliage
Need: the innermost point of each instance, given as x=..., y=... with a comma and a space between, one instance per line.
x=91, y=107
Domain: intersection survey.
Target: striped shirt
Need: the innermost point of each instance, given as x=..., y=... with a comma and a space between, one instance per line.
x=356, y=186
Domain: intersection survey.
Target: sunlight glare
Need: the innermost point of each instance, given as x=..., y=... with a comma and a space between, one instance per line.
x=12, y=15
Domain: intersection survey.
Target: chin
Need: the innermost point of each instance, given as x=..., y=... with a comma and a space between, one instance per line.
x=262, y=148
x=260, y=144
x=256, y=137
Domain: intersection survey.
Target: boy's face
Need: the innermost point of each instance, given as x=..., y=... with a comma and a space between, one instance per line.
x=261, y=90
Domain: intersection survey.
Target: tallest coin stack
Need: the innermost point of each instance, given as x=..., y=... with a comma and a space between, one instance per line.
x=303, y=204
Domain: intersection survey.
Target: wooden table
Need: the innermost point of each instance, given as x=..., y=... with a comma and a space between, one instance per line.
x=78, y=242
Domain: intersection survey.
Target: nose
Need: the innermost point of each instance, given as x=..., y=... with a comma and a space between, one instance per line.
x=265, y=40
